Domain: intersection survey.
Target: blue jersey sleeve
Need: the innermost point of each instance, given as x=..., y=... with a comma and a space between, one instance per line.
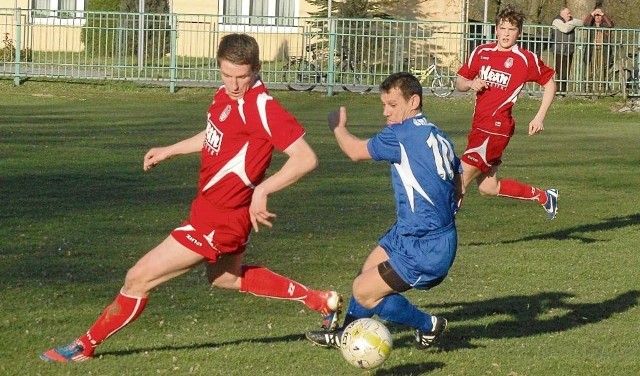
x=384, y=146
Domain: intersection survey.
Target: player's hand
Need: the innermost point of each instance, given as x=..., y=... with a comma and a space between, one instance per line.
x=337, y=118
x=258, y=212
x=153, y=157
x=460, y=200
x=478, y=84
x=535, y=126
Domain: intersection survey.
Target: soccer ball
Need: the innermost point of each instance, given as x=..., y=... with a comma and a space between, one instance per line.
x=366, y=343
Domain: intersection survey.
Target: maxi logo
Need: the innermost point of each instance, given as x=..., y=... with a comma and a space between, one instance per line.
x=495, y=77
x=213, y=139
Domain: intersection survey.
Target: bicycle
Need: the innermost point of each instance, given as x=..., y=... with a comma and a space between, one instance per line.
x=441, y=86
x=304, y=74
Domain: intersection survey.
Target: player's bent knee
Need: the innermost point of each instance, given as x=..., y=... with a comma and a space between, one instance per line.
x=136, y=281
x=364, y=300
x=488, y=191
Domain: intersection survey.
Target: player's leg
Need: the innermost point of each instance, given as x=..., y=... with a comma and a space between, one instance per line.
x=469, y=174
x=166, y=261
x=480, y=162
x=368, y=289
x=230, y=273
x=326, y=338
x=373, y=294
x=376, y=291
x=488, y=184
x=478, y=157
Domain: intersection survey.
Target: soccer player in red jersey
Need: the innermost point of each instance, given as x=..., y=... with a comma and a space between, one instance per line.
x=498, y=72
x=244, y=125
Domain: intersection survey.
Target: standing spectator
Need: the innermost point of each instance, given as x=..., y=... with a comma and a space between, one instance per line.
x=497, y=72
x=564, y=38
x=599, y=53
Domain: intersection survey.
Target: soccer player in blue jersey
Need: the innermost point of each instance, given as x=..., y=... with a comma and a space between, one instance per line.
x=419, y=249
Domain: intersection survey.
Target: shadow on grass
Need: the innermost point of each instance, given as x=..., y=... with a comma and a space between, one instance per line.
x=405, y=369
x=524, y=316
x=520, y=316
x=410, y=369
x=577, y=232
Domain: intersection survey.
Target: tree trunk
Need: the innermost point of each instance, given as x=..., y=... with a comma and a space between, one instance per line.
x=581, y=8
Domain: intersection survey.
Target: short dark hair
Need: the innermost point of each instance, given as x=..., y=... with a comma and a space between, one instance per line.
x=239, y=49
x=406, y=82
x=512, y=15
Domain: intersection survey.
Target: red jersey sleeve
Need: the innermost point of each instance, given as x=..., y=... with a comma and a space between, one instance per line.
x=466, y=69
x=539, y=72
x=283, y=128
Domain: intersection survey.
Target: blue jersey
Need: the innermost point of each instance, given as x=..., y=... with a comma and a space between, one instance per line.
x=423, y=163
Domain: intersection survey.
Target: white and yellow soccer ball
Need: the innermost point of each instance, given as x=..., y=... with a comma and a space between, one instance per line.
x=366, y=343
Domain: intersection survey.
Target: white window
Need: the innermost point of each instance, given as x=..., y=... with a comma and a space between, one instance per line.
x=59, y=12
x=258, y=15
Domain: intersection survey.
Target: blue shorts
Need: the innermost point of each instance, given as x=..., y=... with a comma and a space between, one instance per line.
x=422, y=262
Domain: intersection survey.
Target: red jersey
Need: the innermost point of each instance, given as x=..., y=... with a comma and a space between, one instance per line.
x=240, y=138
x=506, y=72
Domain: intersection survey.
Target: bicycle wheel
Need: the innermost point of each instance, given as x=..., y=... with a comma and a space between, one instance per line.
x=300, y=75
x=355, y=82
x=442, y=87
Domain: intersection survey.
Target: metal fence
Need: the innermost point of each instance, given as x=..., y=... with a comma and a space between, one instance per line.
x=299, y=54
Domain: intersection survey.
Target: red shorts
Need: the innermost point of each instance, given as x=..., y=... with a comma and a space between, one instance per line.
x=484, y=150
x=211, y=231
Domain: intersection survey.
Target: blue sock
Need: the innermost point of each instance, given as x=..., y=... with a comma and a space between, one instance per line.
x=357, y=311
x=397, y=308
x=394, y=308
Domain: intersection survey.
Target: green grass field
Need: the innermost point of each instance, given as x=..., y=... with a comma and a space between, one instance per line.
x=525, y=296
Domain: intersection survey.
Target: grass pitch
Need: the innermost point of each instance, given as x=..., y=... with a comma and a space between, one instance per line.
x=525, y=296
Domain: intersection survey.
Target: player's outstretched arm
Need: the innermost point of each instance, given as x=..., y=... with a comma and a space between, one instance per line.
x=159, y=154
x=352, y=146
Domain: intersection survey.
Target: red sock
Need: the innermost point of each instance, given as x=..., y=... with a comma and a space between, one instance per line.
x=261, y=281
x=116, y=316
x=521, y=191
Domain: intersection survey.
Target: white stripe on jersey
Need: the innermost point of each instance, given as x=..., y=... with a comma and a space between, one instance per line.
x=512, y=99
x=261, y=101
x=235, y=165
x=409, y=180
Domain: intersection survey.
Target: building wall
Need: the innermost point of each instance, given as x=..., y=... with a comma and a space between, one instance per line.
x=194, y=6
x=430, y=10
x=200, y=25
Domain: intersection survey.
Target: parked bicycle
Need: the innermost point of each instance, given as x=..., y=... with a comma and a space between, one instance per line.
x=304, y=74
x=431, y=77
